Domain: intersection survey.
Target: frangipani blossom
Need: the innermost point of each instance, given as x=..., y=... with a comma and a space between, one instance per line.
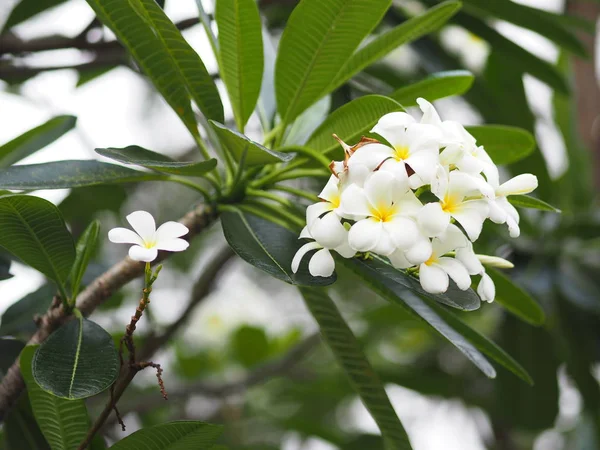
x=147, y=239
x=385, y=215
x=501, y=211
x=321, y=264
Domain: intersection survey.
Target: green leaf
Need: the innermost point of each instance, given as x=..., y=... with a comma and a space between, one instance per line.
x=238, y=145
x=351, y=121
x=250, y=345
x=525, y=201
x=240, y=54
x=268, y=246
x=374, y=274
x=504, y=144
x=180, y=435
x=35, y=139
x=85, y=249
x=347, y=350
x=22, y=431
x=434, y=87
x=381, y=45
x=64, y=423
x=139, y=156
x=17, y=320
x=164, y=56
x=33, y=230
x=519, y=58
x=309, y=57
x=541, y=22
x=69, y=174
x=26, y=9
x=9, y=352
x=515, y=299
x=77, y=361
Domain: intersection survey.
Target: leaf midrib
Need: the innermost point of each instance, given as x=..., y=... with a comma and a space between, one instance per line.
x=77, y=352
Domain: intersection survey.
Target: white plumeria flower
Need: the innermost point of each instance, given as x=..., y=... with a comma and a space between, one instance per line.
x=147, y=239
x=486, y=289
x=501, y=211
x=386, y=215
x=321, y=264
x=458, y=194
x=413, y=145
x=434, y=273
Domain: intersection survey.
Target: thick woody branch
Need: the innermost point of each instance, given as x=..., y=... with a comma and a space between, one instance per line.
x=89, y=299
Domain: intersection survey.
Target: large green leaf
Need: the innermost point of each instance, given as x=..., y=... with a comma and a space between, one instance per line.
x=504, y=144
x=435, y=86
x=22, y=431
x=371, y=272
x=64, y=423
x=164, y=55
x=68, y=174
x=381, y=45
x=17, y=320
x=86, y=245
x=515, y=299
x=519, y=58
x=33, y=229
x=181, y=435
x=542, y=22
x=319, y=38
x=35, y=139
x=240, y=54
x=139, y=156
x=77, y=361
x=351, y=121
x=526, y=201
x=26, y=9
x=347, y=350
x=241, y=146
x=268, y=246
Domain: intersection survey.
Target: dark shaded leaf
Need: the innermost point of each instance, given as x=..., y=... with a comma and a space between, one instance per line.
x=85, y=249
x=26, y=9
x=22, y=431
x=250, y=345
x=181, y=435
x=77, y=361
x=17, y=320
x=434, y=87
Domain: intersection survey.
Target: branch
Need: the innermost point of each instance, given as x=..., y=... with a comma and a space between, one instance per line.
x=90, y=298
x=258, y=376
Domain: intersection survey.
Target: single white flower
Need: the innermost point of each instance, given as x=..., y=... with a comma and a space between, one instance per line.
x=501, y=211
x=385, y=215
x=435, y=272
x=147, y=239
x=321, y=264
x=458, y=193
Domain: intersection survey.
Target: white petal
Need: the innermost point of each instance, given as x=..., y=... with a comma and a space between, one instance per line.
x=439, y=183
x=430, y=115
x=497, y=213
x=521, y=184
x=457, y=271
x=170, y=230
x=139, y=253
x=370, y=156
x=364, y=235
x=420, y=251
x=345, y=250
x=432, y=220
x=398, y=169
x=433, y=279
x=321, y=264
x=305, y=234
x=328, y=231
x=316, y=210
x=452, y=239
x=173, y=245
x=462, y=184
x=124, y=236
x=354, y=202
x=378, y=188
x=471, y=215
x=331, y=192
x=385, y=245
x=513, y=227
x=486, y=288
x=356, y=174
x=143, y=224
x=300, y=254
x=424, y=163
x=399, y=261
x=403, y=231
x=408, y=204
x=468, y=258
x=421, y=136
x=392, y=127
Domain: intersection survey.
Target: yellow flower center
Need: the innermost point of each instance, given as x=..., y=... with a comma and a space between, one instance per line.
x=149, y=244
x=401, y=152
x=450, y=204
x=475, y=39
x=432, y=259
x=335, y=201
x=383, y=213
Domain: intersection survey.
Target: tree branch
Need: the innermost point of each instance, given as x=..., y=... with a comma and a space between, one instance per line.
x=90, y=298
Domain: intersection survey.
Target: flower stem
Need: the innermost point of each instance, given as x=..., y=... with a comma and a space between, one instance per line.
x=297, y=192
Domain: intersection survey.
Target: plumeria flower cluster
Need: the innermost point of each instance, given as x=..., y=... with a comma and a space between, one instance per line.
x=418, y=197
